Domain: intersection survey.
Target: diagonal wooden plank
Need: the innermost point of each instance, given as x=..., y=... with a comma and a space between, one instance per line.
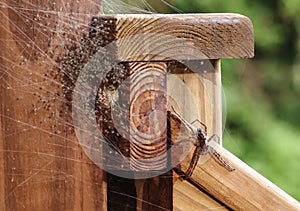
x=241, y=189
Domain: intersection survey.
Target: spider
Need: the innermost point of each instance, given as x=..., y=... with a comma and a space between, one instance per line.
x=202, y=147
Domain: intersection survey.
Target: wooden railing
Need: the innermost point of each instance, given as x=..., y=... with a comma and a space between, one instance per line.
x=51, y=156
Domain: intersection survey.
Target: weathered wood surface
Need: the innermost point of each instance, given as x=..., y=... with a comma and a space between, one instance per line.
x=188, y=197
x=138, y=113
x=155, y=193
x=148, y=109
x=42, y=166
x=157, y=37
x=242, y=189
x=194, y=90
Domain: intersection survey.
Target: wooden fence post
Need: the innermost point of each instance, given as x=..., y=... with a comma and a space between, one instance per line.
x=159, y=63
x=187, y=48
x=42, y=166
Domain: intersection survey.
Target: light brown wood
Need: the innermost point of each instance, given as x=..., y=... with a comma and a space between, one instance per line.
x=242, y=189
x=133, y=104
x=2, y=181
x=188, y=197
x=148, y=111
x=42, y=165
x=148, y=134
x=194, y=90
x=141, y=37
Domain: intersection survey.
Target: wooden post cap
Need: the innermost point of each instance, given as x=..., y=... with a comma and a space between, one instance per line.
x=160, y=37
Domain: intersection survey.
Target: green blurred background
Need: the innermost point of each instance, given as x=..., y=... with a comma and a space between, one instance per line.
x=262, y=94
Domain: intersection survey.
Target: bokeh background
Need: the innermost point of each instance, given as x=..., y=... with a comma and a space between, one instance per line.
x=262, y=94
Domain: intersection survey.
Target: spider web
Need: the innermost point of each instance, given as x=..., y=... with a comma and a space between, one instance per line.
x=43, y=49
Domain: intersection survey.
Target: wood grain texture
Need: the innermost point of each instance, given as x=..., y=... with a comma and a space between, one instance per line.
x=2, y=171
x=157, y=37
x=194, y=90
x=148, y=111
x=155, y=193
x=242, y=189
x=42, y=165
x=132, y=101
x=188, y=197
x=148, y=134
